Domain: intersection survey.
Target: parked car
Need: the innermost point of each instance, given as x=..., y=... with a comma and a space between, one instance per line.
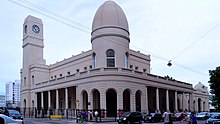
x=14, y=114
x=214, y=118
x=7, y=120
x=202, y=116
x=130, y=117
x=179, y=116
x=153, y=117
x=188, y=114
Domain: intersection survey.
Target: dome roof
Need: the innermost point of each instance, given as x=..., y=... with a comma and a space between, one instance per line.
x=110, y=14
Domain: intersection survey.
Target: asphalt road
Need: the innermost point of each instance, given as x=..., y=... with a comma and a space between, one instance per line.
x=65, y=121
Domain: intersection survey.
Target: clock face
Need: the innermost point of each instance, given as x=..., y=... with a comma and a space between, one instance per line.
x=35, y=29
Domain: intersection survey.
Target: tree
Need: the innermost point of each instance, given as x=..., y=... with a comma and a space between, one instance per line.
x=169, y=78
x=214, y=83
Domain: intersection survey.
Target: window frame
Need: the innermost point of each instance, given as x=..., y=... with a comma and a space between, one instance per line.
x=110, y=58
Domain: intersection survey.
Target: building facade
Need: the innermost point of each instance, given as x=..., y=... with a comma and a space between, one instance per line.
x=110, y=76
x=13, y=94
x=2, y=101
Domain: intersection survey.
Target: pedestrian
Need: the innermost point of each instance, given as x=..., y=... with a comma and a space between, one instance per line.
x=84, y=115
x=90, y=115
x=193, y=118
x=96, y=116
x=78, y=117
x=31, y=113
x=167, y=118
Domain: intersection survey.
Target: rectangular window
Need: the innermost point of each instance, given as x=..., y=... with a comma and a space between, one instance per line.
x=110, y=62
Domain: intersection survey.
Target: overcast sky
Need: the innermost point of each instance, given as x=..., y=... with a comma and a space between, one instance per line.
x=187, y=32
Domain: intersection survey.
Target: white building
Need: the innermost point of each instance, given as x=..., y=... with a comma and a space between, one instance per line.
x=110, y=76
x=13, y=93
x=2, y=101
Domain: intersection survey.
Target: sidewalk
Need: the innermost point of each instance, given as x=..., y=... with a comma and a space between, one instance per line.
x=66, y=121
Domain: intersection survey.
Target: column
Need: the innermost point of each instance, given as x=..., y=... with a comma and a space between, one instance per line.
x=201, y=105
x=90, y=100
x=176, y=104
x=57, y=100
x=167, y=101
x=157, y=100
x=49, y=104
x=119, y=100
x=196, y=105
x=49, y=100
x=66, y=103
x=42, y=100
x=146, y=100
x=190, y=102
x=133, y=105
x=183, y=101
x=102, y=99
x=66, y=98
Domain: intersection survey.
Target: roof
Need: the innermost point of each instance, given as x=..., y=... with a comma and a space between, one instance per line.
x=110, y=14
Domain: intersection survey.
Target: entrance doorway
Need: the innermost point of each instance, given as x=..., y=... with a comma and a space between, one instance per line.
x=138, y=101
x=126, y=100
x=96, y=99
x=85, y=100
x=199, y=105
x=111, y=103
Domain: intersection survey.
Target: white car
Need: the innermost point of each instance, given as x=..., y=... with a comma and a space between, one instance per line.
x=7, y=120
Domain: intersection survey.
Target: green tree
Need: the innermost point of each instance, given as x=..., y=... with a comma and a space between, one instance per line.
x=169, y=78
x=214, y=83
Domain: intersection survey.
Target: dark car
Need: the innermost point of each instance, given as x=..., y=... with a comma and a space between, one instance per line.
x=14, y=114
x=130, y=117
x=214, y=119
x=153, y=117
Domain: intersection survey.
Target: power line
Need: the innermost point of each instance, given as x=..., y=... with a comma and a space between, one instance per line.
x=76, y=25
x=188, y=68
x=60, y=18
x=55, y=14
x=181, y=52
x=49, y=16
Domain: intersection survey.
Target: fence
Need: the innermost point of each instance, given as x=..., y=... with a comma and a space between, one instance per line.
x=103, y=115
x=46, y=113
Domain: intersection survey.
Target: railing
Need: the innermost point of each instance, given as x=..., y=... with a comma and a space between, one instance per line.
x=119, y=70
x=74, y=114
x=46, y=113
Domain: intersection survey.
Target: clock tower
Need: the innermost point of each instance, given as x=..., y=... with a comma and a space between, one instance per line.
x=32, y=41
x=32, y=54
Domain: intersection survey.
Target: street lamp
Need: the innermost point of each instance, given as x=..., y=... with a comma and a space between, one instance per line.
x=169, y=63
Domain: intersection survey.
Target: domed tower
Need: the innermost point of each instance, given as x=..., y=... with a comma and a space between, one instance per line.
x=110, y=37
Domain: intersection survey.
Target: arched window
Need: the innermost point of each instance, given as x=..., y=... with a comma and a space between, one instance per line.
x=94, y=60
x=110, y=58
x=25, y=29
x=126, y=60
